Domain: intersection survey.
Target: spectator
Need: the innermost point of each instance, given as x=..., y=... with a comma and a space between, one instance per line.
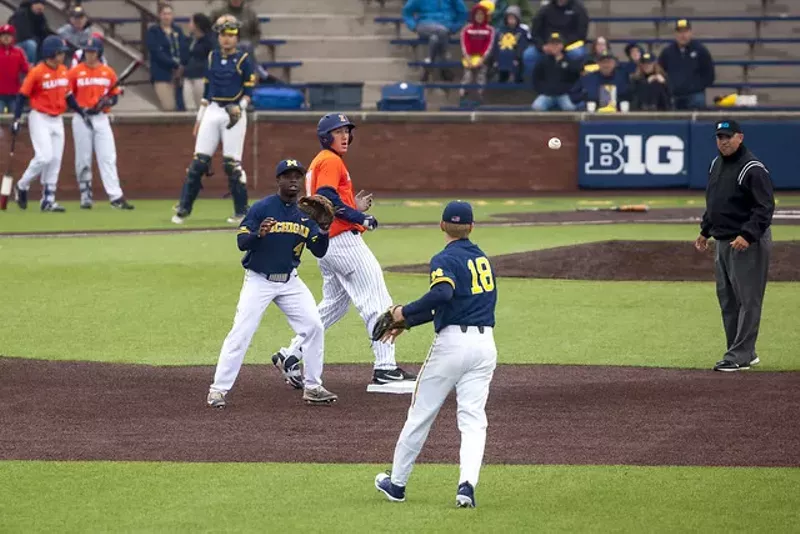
x=501, y=9
x=13, y=67
x=633, y=52
x=649, y=89
x=31, y=26
x=553, y=77
x=477, y=39
x=510, y=41
x=689, y=67
x=435, y=20
x=200, y=46
x=605, y=89
x=77, y=30
x=565, y=17
x=164, y=45
x=599, y=47
x=250, y=32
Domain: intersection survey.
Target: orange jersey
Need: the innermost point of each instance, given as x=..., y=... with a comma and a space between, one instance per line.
x=90, y=84
x=328, y=170
x=47, y=89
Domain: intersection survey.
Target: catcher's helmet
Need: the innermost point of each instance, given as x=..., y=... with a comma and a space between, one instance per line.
x=227, y=24
x=289, y=165
x=329, y=123
x=53, y=45
x=93, y=44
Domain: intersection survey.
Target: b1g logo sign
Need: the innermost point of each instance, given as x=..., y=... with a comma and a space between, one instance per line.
x=634, y=154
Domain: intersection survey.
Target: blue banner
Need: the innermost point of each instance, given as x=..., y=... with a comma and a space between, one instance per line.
x=634, y=155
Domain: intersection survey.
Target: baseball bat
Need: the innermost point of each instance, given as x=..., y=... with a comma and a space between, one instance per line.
x=8, y=180
x=636, y=208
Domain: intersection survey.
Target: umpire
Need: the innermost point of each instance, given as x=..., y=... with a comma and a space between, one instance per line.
x=739, y=207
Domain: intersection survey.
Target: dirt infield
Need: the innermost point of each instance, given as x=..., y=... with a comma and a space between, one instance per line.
x=537, y=415
x=628, y=261
x=788, y=215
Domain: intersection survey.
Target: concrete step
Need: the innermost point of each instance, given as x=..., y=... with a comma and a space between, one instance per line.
x=350, y=69
x=337, y=46
x=321, y=24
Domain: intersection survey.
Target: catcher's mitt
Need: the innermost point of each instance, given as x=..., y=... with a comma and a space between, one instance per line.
x=385, y=327
x=318, y=208
x=234, y=112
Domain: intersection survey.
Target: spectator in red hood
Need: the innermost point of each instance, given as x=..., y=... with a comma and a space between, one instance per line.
x=477, y=39
x=13, y=67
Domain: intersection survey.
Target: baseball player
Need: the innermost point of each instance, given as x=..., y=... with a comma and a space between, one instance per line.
x=77, y=56
x=229, y=84
x=91, y=82
x=350, y=272
x=273, y=234
x=461, y=303
x=47, y=88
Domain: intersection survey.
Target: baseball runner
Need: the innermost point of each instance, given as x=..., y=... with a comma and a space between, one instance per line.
x=91, y=82
x=461, y=303
x=229, y=84
x=350, y=272
x=47, y=88
x=273, y=234
x=77, y=56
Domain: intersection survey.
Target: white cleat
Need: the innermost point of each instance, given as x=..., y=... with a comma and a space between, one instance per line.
x=236, y=219
x=216, y=399
x=177, y=220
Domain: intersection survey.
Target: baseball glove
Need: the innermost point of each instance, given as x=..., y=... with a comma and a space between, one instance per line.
x=234, y=112
x=386, y=328
x=318, y=208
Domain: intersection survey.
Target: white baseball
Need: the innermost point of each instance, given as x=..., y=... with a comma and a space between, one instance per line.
x=554, y=143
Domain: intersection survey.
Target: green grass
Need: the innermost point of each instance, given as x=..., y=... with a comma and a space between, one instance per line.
x=170, y=299
x=168, y=497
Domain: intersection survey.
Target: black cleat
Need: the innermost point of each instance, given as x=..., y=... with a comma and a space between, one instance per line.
x=121, y=204
x=465, y=497
x=729, y=367
x=387, y=376
x=21, y=198
x=53, y=207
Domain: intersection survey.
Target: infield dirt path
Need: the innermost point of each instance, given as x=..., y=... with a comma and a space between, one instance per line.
x=538, y=414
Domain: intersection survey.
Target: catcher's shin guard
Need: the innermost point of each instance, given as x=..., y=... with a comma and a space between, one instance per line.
x=237, y=184
x=198, y=168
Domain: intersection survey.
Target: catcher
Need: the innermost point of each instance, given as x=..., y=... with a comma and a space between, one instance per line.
x=273, y=236
x=461, y=303
x=229, y=83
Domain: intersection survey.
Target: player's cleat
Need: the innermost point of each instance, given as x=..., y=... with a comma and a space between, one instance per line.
x=21, y=198
x=319, y=395
x=53, y=207
x=179, y=216
x=755, y=361
x=289, y=368
x=465, y=497
x=235, y=219
x=216, y=399
x=393, y=492
x=86, y=205
x=387, y=376
x=727, y=366
x=121, y=204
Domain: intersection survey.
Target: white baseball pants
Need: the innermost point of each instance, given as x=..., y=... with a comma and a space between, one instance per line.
x=295, y=300
x=466, y=361
x=100, y=140
x=350, y=272
x=47, y=138
x=213, y=129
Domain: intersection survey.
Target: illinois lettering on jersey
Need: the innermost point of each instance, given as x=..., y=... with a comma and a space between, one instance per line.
x=90, y=84
x=328, y=170
x=47, y=89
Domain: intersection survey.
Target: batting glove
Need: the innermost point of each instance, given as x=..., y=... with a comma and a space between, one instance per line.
x=370, y=222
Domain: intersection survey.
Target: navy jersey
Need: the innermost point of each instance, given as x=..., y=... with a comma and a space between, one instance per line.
x=277, y=253
x=228, y=77
x=463, y=265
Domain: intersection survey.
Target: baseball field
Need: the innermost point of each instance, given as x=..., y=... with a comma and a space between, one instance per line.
x=604, y=414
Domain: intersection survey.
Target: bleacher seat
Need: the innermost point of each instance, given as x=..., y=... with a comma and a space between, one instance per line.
x=285, y=66
x=402, y=97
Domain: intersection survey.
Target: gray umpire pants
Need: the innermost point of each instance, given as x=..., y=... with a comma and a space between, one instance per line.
x=741, y=281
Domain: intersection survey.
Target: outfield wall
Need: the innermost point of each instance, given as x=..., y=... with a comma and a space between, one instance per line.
x=448, y=153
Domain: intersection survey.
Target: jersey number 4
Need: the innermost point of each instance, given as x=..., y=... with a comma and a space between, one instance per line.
x=482, y=278
x=298, y=249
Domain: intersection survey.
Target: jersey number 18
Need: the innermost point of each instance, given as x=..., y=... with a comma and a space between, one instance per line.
x=482, y=278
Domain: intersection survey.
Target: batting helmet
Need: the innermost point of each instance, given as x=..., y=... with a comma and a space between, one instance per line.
x=93, y=44
x=8, y=29
x=331, y=122
x=53, y=45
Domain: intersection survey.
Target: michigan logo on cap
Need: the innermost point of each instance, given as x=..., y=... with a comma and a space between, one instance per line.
x=291, y=163
x=683, y=23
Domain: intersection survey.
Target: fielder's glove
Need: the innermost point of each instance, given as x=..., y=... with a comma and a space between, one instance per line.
x=318, y=208
x=234, y=112
x=370, y=222
x=387, y=328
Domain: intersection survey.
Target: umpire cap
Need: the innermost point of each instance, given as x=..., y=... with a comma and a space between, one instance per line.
x=727, y=127
x=289, y=165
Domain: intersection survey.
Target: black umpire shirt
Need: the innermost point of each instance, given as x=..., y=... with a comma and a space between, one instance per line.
x=739, y=198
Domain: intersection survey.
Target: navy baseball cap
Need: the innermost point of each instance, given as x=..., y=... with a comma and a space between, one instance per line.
x=289, y=165
x=727, y=127
x=458, y=212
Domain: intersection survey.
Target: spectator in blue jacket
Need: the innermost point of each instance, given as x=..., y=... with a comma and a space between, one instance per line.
x=199, y=47
x=165, y=48
x=553, y=77
x=605, y=90
x=566, y=17
x=435, y=20
x=510, y=41
x=689, y=67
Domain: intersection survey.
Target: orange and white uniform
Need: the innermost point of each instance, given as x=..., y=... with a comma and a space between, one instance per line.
x=89, y=85
x=350, y=271
x=47, y=89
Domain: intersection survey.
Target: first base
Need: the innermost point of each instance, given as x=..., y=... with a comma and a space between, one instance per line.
x=395, y=388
